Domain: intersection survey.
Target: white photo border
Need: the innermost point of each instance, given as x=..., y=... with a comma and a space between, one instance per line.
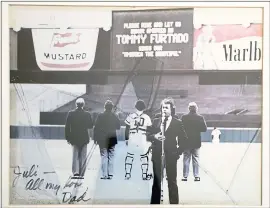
x=5, y=86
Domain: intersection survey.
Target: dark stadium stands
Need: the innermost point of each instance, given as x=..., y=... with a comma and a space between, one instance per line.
x=211, y=99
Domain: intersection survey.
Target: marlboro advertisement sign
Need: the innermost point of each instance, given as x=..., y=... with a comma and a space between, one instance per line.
x=65, y=50
x=228, y=47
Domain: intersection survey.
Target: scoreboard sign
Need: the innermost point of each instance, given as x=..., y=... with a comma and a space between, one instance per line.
x=166, y=35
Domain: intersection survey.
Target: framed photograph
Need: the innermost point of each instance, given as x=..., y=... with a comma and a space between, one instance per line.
x=135, y=104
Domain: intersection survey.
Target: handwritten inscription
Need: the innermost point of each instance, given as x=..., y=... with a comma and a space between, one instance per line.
x=18, y=173
x=70, y=183
x=53, y=186
x=32, y=172
x=36, y=182
x=68, y=198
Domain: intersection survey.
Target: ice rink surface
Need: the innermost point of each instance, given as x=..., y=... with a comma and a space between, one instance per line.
x=219, y=184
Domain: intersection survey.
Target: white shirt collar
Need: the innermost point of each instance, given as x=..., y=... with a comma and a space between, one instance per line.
x=139, y=112
x=169, y=119
x=167, y=123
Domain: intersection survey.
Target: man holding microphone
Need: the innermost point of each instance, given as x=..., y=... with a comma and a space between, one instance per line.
x=166, y=134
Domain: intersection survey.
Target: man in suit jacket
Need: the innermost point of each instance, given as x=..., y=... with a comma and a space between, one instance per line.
x=105, y=136
x=171, y=131
x=194, y=124
x=76, y=132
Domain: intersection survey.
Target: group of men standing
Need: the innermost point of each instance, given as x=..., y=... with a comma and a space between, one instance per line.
x=166, y=136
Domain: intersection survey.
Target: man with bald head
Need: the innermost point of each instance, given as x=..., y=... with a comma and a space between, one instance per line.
x=194, y=124
x=76, y=132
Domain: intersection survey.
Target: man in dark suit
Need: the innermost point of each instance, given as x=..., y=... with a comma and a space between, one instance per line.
x=169, y=131
x=194, y=124
x=105, y=136
x=76, y=132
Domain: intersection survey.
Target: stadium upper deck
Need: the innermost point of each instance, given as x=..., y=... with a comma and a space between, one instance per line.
x=211, y=99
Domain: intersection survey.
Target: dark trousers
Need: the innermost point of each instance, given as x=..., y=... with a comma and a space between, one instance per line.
x=171, y=171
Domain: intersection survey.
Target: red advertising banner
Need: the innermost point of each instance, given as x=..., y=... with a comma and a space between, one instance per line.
x=228, y=47
x=65, y=49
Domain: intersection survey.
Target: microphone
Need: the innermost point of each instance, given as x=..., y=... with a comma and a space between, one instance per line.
x=164, y=118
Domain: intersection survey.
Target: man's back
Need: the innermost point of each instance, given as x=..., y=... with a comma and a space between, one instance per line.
x=138, y=123
x=108, y=121
x=80, y=119
x=77, y=125
x=194, y=124
x=105, y=129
